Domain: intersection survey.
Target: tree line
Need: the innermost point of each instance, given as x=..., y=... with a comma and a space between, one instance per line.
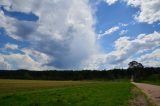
x=137, y=73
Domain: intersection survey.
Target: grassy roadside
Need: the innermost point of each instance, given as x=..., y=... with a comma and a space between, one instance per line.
x=139, y=98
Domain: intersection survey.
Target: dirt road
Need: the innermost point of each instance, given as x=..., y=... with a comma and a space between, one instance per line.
x=152, y=91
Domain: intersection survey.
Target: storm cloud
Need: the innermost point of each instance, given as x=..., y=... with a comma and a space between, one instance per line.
x=64, y=31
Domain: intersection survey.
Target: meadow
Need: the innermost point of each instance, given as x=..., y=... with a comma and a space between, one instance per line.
x=153, y=82
x=152, y=79
x=64, y=93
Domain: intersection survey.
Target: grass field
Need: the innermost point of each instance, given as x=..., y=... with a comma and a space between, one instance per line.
x=152, y=79
x=11, y=86
x=64, y=93
x=154, y=82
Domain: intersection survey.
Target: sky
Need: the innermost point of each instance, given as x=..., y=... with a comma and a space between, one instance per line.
x=79, y=34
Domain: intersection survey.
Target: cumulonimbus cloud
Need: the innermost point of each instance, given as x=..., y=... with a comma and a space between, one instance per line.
x=64, y=30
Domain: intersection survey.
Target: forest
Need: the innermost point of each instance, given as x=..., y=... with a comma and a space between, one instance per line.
x=138, y=74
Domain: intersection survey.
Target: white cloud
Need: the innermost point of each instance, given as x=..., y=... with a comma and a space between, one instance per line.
x=126, y=47
x=149, y=10
x=123, y=32
x=63, y=32
x=108, y=32
x=11, y=46
x=154, y=55
x=20, y=61
x=151, y=59
x=4, y=2
x=110, y=2
x=30, y=59
x=37, y=56
x=123, y=24
x=3, y=65
x=142, y=42
x=125, y=50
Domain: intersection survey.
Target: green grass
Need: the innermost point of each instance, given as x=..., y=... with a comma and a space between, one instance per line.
x=154, y=82
x=96, y=93
x=152, y=79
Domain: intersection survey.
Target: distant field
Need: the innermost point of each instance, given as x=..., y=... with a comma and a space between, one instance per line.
x=64, y=93
x=7, y=86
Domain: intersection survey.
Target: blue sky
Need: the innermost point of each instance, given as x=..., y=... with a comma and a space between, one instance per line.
x=116, y=14
x=84, y=34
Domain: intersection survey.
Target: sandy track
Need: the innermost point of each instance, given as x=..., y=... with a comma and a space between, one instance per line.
x=152, y=91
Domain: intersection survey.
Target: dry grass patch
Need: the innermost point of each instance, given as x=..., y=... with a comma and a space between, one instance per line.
x=7, y=86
